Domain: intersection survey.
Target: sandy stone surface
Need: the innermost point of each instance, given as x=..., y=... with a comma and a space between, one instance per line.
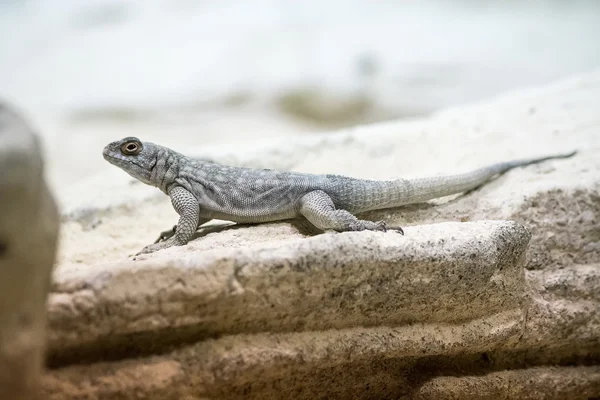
x=273, y=310
x=442, y=273
x=540, y=383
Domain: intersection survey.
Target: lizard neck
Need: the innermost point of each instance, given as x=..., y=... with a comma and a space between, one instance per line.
x=166, y=169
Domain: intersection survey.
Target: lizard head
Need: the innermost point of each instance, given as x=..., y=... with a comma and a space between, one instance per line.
x=133, y=156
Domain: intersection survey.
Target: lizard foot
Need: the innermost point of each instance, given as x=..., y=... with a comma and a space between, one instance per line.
x=383, y=227
x=151, y=248
x=380, y=226
x=164, y=235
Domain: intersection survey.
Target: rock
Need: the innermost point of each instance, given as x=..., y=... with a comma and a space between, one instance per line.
x=485, y=289
x=28, y=237
x=545, y=383
x=443, y=273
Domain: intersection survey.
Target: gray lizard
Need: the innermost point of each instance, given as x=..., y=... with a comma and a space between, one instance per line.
x=203, y=190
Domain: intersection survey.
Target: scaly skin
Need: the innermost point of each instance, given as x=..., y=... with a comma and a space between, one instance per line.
x=201, y=191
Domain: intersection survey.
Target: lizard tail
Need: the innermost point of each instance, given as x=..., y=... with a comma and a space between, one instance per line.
x=400, y=192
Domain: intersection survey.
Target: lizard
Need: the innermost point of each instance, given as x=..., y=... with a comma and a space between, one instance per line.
x=204, y=190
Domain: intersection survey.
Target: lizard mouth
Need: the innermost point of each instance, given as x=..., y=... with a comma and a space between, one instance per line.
x=110, y=158
x=131, y=165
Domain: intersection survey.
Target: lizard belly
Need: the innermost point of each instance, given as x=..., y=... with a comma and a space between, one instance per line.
x=248, y=217
x=249, y=206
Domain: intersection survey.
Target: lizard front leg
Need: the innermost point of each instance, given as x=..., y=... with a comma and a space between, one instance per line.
x=188, y=209
x=319, y=209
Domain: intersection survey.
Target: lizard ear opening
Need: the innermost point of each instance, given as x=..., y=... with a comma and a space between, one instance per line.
x=131, y=148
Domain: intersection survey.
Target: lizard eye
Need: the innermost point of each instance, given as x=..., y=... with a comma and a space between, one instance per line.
x=131, y=148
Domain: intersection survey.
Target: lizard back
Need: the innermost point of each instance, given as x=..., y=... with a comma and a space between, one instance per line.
x=246, y=194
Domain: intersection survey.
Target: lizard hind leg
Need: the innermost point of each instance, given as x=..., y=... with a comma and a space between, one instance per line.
x=319, y=209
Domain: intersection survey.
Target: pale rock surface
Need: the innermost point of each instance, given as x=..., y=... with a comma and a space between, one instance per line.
x=442, y=273
x=273, y=311
x=538, y=383
x=28, y=236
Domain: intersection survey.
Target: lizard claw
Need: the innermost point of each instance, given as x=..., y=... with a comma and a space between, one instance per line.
x=383, y=227
x=397, y=229
x=164, y=235
x=378, y=226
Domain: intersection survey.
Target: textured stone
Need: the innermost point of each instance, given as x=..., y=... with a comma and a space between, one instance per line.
x=293, y=365
x=443, y=273
x=270, y=311
x=534, y=383
x=28, y=238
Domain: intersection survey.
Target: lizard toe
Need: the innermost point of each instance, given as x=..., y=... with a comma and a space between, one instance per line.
x=397, y=229
x=381, y=226
x=165, y=235
x=151, y=248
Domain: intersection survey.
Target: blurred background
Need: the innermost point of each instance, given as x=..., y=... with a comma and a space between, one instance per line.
x=191, y=72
